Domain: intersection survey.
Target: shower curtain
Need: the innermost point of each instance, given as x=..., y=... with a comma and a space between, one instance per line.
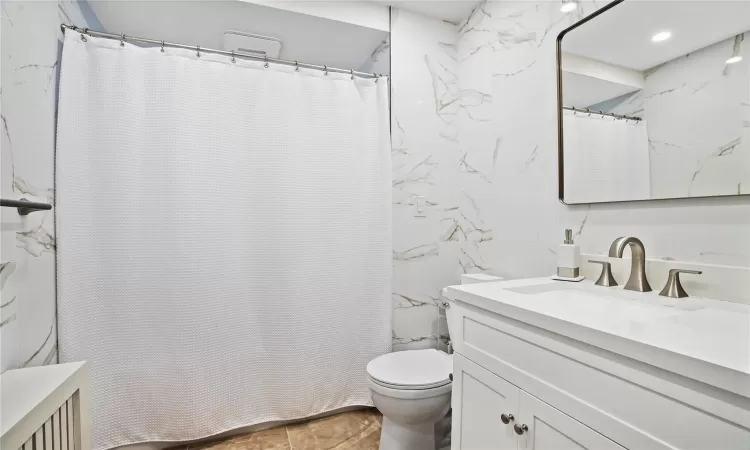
x=224, y=237
x=605, y=159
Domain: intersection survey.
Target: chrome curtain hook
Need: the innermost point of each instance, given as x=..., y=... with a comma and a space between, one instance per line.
x=198, y=51
x=265, y=58
x=162, y=46
x=296, y=64
x=326, y=69
x=83, y=35
x=351, y=71
x=233, y=60
x=122, y=40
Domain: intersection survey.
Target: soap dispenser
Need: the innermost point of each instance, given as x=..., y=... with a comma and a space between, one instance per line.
x=568, y=260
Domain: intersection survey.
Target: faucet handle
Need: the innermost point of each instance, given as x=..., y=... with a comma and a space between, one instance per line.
x=673, y=288
x=606, y=278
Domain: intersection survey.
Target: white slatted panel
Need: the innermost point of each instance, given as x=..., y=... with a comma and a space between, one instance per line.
x=71, y=424
x=47, y=435
x=63, y=427
x=39, y=439
x=56, y=430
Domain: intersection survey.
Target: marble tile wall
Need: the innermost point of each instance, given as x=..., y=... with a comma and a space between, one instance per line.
x=431, y=247
x=30, y=47
x=690, y=154
x=507, y=135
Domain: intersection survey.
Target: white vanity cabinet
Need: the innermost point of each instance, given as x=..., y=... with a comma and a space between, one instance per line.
x=483, y=402
x=568, y=387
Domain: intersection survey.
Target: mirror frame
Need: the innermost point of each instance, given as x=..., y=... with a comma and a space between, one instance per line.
x=560, y=164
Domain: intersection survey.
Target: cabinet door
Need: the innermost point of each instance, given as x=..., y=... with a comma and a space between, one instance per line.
x=549, y=429
x=479, y=399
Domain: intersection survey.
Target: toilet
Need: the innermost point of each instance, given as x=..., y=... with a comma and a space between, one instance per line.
x=412, y=389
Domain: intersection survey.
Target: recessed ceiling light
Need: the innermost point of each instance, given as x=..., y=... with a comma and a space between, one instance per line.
x=661, y=36
x=734, y=59
x=568, y=7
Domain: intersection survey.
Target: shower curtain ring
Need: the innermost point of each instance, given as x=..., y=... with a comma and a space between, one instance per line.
x=233, y=60
x=122, y=40
x=198, y=51
x=326, y=69
x=265, y=58
x=351, y=71
x=83, y=37
x=162, y=46
x=296, y=64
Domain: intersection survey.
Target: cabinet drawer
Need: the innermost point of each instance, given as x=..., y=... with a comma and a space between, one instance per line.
x=487, y=410
x=549, y=429
x=628, y=413
x=480, y=399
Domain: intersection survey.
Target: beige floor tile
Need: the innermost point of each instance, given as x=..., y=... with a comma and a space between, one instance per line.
x=272, y=439
x=330, y=432
x=369, y=439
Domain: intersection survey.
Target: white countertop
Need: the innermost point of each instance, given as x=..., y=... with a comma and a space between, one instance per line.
x=707, y=340
x=23, y=390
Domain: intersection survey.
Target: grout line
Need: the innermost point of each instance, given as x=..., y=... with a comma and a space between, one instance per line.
x=288, y=439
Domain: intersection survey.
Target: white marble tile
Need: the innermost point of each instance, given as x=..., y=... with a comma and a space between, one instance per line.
x=695, y=108
x=506, y=52
x=425, y=154
x=30, y=47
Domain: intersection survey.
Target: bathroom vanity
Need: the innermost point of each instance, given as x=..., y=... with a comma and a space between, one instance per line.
x=550, y=365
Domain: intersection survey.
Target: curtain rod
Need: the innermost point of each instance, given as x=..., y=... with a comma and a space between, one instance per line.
x=199, y=50
x=591, y=111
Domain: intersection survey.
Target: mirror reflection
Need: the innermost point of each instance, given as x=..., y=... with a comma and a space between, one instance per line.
x=656, y=102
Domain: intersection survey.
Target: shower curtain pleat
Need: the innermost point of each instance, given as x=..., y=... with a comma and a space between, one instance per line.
x=224, y=238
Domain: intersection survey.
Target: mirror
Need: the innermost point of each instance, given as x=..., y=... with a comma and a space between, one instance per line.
x=654, y=102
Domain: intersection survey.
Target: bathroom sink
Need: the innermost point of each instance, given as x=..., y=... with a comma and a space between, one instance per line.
x=585, y=303
x=640, y=325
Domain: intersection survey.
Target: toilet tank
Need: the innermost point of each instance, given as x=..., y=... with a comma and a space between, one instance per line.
x=473, y=278
x=467, y=278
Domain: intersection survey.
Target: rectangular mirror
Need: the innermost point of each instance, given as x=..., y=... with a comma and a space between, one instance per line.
x=654, y=102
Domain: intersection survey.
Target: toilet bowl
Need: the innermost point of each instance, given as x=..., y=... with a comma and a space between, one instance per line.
x=412, y=389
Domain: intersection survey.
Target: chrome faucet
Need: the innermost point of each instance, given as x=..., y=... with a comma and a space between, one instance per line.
x=637, y=280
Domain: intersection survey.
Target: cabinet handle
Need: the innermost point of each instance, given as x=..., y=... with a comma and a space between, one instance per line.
x=520, y=429
x=507, y=418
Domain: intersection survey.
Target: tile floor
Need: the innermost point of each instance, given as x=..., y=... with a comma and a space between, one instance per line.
x=355, y=430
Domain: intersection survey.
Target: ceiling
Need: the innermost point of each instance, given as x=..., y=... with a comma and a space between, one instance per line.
x=304, y=37
x=622, y=35
x=583, y=91
x=451, y=11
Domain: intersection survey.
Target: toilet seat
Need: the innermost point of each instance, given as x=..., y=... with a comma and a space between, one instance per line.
x=408, y=394
x=411, y=370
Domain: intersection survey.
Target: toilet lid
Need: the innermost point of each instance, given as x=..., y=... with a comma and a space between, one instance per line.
x=412, y=369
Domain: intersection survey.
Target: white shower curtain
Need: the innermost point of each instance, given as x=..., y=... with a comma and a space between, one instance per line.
x=605, y=159
x=224, y=238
